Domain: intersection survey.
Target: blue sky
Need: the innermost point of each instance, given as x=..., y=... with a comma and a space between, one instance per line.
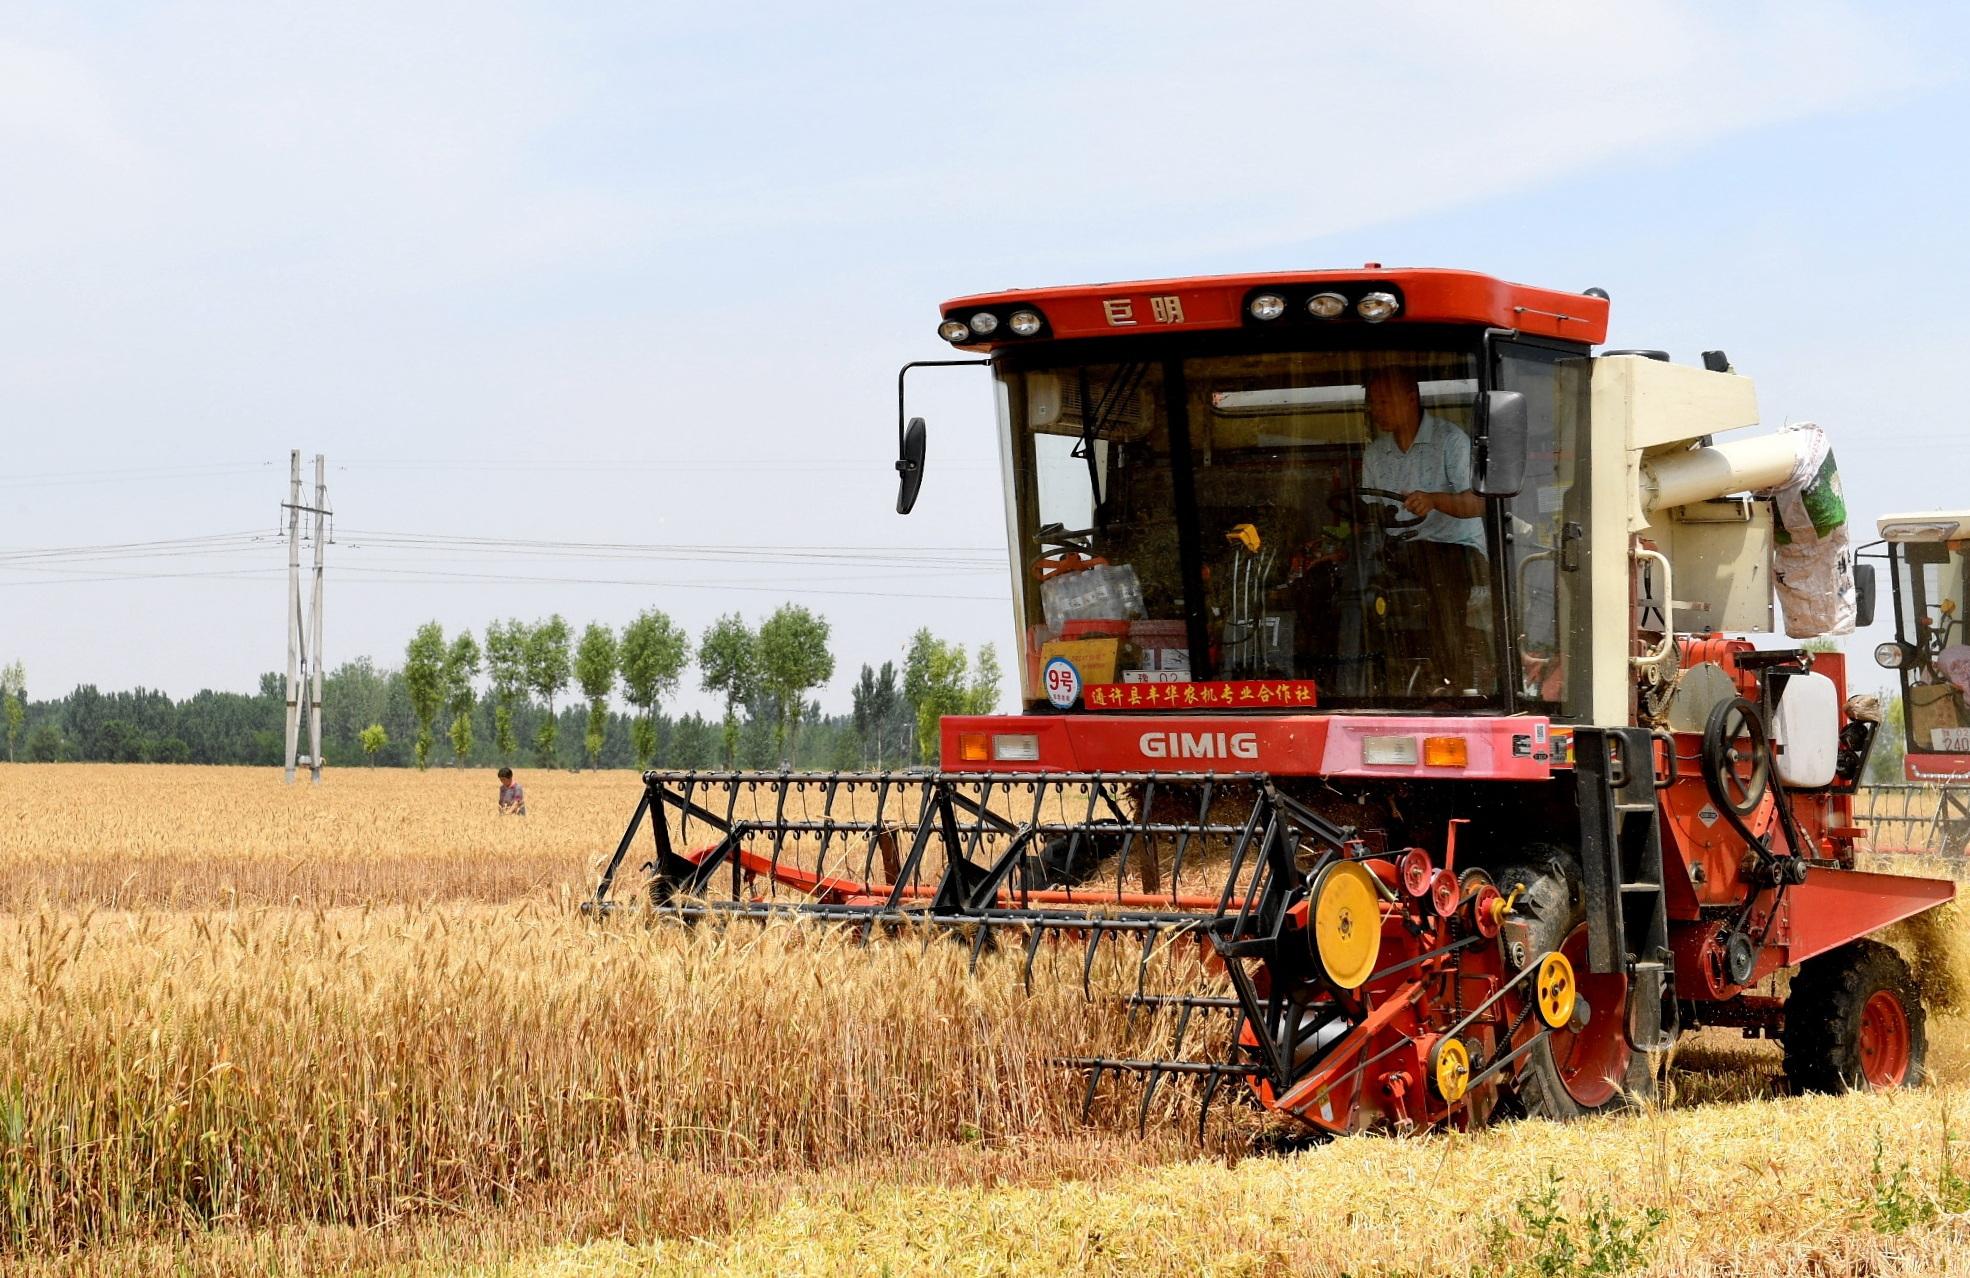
x=645, y=275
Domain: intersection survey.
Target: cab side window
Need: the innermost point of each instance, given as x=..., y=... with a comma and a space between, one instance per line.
x=1544, y=554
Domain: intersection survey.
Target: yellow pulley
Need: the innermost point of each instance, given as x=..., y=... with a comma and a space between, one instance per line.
x=1347, y=923
x=1450, y=1068
x=1556, y=990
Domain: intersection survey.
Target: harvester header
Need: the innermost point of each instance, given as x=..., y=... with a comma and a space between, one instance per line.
x=1389, y=700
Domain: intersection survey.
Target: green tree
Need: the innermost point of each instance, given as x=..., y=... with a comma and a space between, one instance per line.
x=793, y=657
x=728, y=661
x=595, y=670
x=45, y=744
x=655, y=651
x=461, y=669
x=548, y=667
x=506, y=663
x=13, y=704
x=982, y=697
x=373, y=739
x=881, y=724
x=424, y=679
x=938, y=681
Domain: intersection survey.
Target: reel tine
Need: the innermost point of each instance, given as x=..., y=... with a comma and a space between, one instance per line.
x=1150, y=936
x=827, y=822
x=1183, y=836
x=978, y=941
x=1033, y=936
x=1095, y=932
x=1087, y=1097
x=1204, y=1104
x=1156, y=1075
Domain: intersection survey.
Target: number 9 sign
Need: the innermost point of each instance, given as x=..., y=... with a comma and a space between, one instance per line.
x=1062, y=682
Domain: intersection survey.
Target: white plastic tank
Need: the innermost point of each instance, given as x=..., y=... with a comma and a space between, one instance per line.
x=1807, y=730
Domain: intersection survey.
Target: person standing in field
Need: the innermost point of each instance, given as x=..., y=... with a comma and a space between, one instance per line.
x=512, y=795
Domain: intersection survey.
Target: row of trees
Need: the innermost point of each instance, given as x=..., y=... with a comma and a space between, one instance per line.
x=485, y=698
x=768, y=671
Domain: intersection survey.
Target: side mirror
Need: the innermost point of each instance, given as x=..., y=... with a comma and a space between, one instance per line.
x=1498, y=456
x=909, y=466
x=1864, y=590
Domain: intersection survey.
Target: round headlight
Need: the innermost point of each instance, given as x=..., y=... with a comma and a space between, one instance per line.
x=1267, y=306
x=954, y=330
x=984, y=322
x=1377, y=307
x=1892, y=655
x=1326, y=305
x=1025, y=323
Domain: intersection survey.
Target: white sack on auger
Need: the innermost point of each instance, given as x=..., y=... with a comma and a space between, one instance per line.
x=1813, y=562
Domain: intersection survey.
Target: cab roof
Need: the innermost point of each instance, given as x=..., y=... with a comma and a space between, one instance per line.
x=1422, y=295
x=1925, y=525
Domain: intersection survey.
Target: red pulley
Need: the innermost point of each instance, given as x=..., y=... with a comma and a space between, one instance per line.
x=1486, y=911
x=1445, y=895
x=1416, y=872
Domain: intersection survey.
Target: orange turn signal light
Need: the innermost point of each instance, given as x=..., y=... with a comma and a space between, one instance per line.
x=1446, y=752
x=974, y=747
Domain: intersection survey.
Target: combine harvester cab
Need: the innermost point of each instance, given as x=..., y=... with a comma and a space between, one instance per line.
x=1389, y=710
x=1928, y=558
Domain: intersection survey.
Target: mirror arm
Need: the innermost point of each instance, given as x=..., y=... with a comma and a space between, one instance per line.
x=905, y=372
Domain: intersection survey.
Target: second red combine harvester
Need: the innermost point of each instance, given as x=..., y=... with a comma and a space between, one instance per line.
x=1385, y=644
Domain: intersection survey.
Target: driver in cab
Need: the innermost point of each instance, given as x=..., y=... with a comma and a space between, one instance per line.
x=1427, y=460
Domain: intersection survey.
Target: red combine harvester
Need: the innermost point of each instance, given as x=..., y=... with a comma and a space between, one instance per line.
x=1928, y=558
x=1385, y=690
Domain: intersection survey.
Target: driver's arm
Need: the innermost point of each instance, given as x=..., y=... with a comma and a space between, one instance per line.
x=1464, y=505
x=1456, y=498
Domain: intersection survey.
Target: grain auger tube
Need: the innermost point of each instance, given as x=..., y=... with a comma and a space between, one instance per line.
x=1392, y=750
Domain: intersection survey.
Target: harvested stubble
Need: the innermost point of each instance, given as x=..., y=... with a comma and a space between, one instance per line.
x=259, y=1068
x=1757, y=1190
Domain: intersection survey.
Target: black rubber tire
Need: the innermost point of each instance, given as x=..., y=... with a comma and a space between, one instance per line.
x=1823, y=1016
x=1551, y=906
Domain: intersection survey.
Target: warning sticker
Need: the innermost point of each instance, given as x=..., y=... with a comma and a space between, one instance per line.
x=1708, y=815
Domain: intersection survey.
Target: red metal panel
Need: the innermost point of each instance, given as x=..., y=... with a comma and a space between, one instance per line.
x=1935, y=767
x=1202, y=303
x=1282, y=744
x=1833, y=907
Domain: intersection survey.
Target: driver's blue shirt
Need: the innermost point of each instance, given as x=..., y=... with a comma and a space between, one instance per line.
x=1438, y=461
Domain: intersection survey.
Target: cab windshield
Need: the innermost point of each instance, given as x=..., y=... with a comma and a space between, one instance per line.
x=1932, y=594
x=1299, y=516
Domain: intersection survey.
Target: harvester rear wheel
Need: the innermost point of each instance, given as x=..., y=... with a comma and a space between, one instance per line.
x=1586, y=1068
x=1855, y=1019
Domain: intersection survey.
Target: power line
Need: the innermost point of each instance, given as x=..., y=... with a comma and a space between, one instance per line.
x=412, y=575
x=245, y=574
x=876, y=466
x=134, y=474
x=188, y=545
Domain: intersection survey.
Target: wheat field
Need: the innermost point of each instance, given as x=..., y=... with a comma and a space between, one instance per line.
x=257, y=1028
